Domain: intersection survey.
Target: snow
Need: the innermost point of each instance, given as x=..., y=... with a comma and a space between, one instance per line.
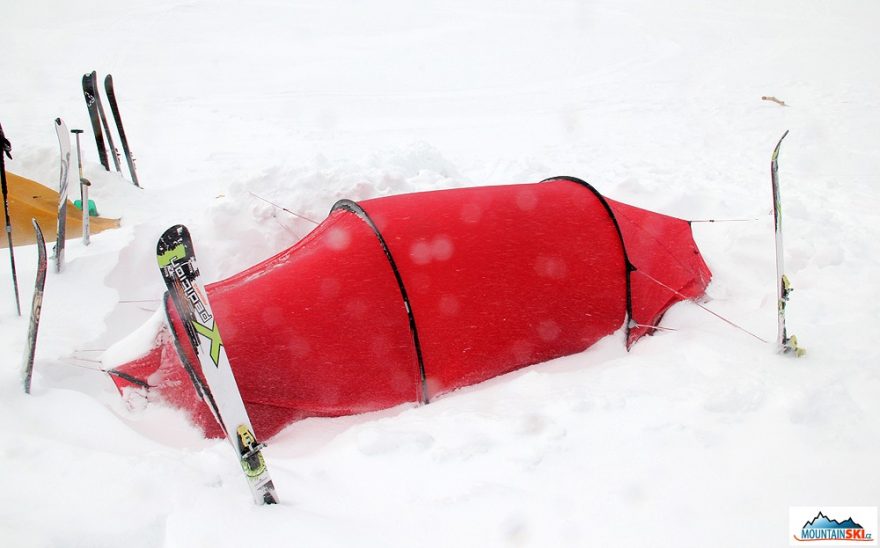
x=700, y=436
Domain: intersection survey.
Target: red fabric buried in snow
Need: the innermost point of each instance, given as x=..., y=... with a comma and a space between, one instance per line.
x=403, y=298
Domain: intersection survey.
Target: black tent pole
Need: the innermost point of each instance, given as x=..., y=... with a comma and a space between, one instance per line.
x=6, y=149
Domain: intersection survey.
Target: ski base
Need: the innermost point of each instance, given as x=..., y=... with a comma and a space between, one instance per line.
x=64, y=144
x=117, y=117
x=36, y=308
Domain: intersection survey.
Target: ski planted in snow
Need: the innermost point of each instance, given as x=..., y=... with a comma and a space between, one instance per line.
x=99, y=120
x=64, y=144
x=89, y=91
x=36, y=307
x=114, y=108
x=785, y=343
x=6, y=151
x=177, y=263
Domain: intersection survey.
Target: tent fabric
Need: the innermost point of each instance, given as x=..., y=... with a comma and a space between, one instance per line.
x=667, y=267
x=30, y=200
x=404, y=298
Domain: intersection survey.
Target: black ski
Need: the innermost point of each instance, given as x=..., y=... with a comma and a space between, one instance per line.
x=36, y=307
x=785, y=343
x=89, y=91
x=114, y=108
x=99, y=120
x=6, y=151
x=177, y=263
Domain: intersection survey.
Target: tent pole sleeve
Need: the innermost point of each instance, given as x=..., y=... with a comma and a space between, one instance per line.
x=630, y=268
x=353, y=207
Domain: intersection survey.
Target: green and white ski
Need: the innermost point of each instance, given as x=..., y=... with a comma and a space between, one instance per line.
x=785, y=343
x=177, y=262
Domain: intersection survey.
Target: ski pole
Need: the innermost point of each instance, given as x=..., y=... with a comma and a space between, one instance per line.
x=6, y=149
x=79, y=158
x=84, y=185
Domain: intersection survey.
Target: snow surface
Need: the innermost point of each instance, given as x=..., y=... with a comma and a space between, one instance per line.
x=701, y=436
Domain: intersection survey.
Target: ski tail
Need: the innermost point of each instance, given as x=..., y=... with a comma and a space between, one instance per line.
x=36, y=308
x=90, y=91
x=177, y=264
x=117, y=118
x=785, y=343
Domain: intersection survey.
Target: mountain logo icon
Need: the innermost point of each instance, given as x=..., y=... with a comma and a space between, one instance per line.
x=824, y=528
x=821, y=521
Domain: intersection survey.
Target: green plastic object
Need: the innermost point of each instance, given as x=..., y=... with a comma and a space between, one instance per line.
x=93, y=209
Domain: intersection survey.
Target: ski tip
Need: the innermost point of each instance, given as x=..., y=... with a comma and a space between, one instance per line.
x=37, y=229
x=175, y=232
x=172, y=245
x=784, y=135
x=777, y=147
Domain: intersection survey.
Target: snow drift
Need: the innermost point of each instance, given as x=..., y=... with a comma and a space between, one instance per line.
x=404, y=298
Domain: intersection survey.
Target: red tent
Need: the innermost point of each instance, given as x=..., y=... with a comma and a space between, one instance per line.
x=403, y=298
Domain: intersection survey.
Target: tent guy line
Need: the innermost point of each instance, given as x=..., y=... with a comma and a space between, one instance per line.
x=282, y=208
x=710, y=311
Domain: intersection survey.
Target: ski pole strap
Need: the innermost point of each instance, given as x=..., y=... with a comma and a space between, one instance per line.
x=5, y=144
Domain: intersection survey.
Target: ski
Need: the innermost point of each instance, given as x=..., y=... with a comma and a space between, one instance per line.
x=64, y=144
x=36, y=307
x=99, y=120
x=113, y=151
x=177, y=263
x=6, y=151
x=785, y=343
x=88, y=85
x=114, y=108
